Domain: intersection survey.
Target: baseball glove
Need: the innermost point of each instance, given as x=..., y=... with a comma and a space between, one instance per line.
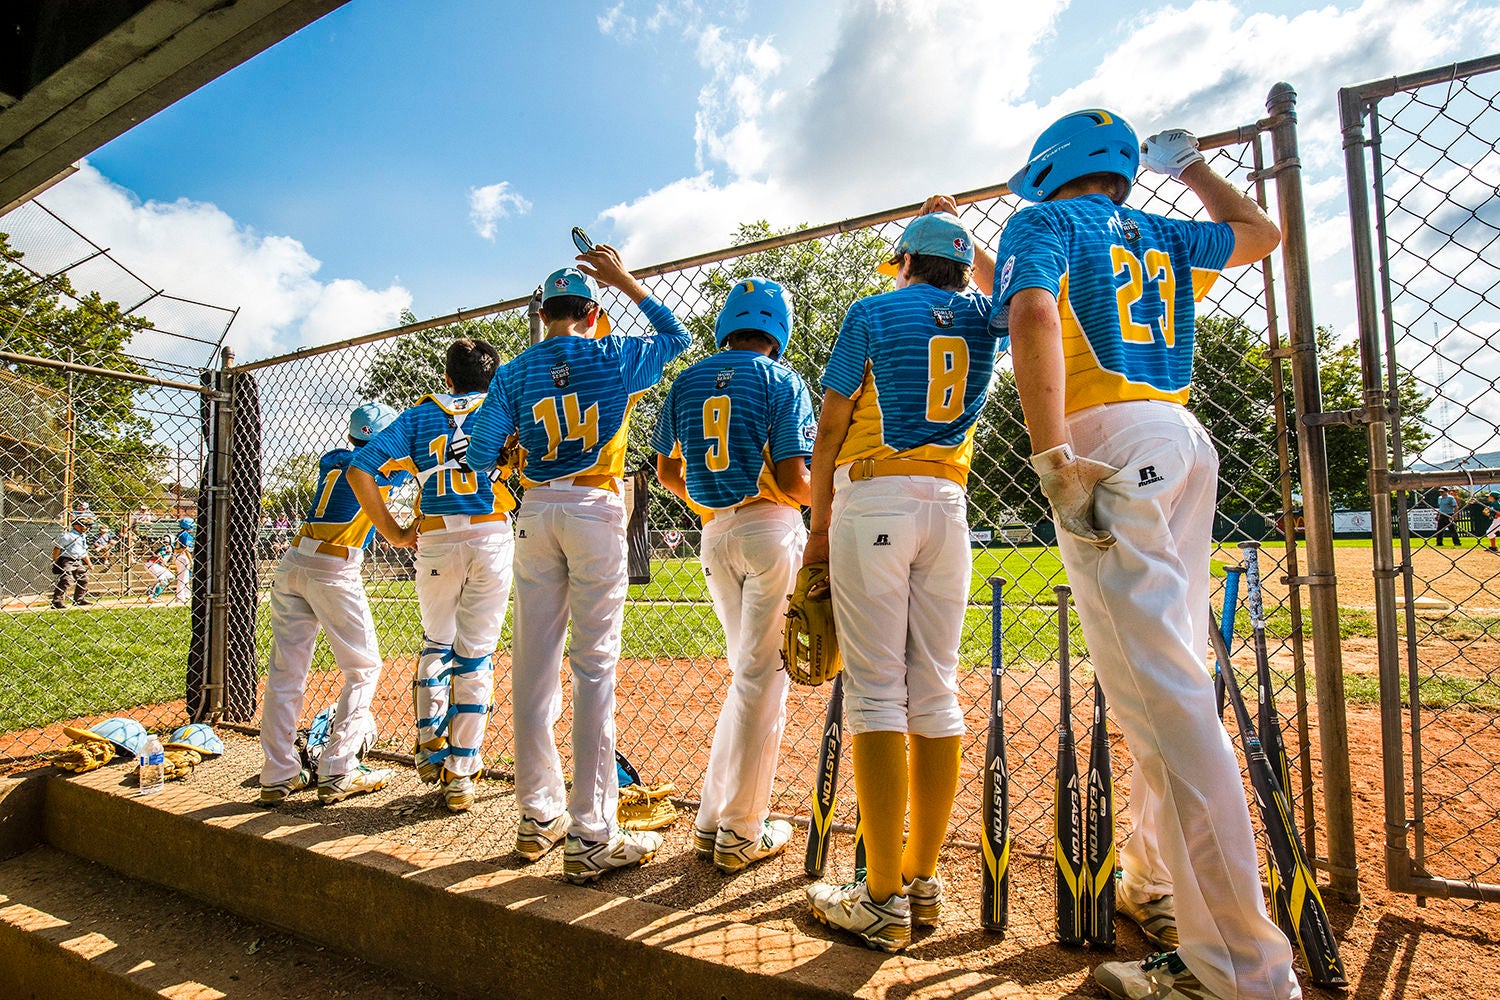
x=810, y=647
x=646, y=808
x=84, y=755
x=180, y=763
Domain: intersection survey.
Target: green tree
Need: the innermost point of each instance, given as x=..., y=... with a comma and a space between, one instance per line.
x=291, y=485
x=115, y=463
x=406, y=368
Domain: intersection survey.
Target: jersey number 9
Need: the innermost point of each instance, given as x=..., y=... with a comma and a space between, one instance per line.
x=716, y=432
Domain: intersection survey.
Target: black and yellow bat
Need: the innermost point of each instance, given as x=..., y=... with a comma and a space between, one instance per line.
x=826, y=786
x=1311, y=927
x=1067, y=813
x=994, y=895
x=1099, y=844
x=1267, y=723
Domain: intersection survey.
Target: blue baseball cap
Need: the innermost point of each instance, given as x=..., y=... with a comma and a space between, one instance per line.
x=571, y=281
x=936, y=235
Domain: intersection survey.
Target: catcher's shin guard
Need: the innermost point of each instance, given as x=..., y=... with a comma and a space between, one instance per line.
x=430, y=690
x=473, y=684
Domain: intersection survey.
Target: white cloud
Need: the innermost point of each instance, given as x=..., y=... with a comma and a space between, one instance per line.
x=492, y=203
x=617, y=23
x=195, y=250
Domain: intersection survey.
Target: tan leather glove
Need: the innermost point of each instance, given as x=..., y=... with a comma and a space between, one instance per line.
x=1068, y=482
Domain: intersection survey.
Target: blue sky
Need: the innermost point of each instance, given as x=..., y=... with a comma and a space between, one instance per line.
x=433, y=156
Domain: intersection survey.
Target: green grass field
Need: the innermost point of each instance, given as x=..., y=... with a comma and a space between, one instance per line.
x=106, y=659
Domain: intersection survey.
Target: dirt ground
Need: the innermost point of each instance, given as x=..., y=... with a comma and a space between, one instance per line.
x=1393, y=945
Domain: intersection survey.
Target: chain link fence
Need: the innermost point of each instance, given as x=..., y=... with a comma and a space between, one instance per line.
x=100, y=390
x=673, y=674
x=1424, y=189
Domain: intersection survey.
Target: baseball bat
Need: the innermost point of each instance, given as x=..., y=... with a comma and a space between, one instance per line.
x=1099, y=846
x=1067, y=818
x=1267, y=724
x=825, y=791
x=1232, y=576
x=994, y=896
x=1311, y=928
x=860, y=865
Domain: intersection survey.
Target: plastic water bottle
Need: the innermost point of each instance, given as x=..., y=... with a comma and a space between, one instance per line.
x=153, y=766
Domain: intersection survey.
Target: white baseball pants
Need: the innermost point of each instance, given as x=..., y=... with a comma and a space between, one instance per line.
x=184, y=575
x=1143, y=605
x=899, y=561
x=312, y=591
x=570, y=564
x=463, y=582
x=750, y=560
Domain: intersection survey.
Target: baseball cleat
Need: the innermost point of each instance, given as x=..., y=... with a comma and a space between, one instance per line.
x=430, y=771
x=356, y=782
x=925, y=895
x=1156, y=917
x=535, y=838
x=884, y=926
x=1160, y=977
x=458, y=791
x=733, y=853
x=703, y=843
x=274, y=795
x=586, y=860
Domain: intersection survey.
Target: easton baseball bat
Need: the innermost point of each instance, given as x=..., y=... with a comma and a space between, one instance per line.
x=1310, y=925
x=1232, y=576
x=994, y=894
x=1067, y=818
x=825, y=791
x=1099, y=845
x=860, y=865
x=1267, y=723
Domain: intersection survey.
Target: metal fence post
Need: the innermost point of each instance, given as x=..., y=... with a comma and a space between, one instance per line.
x=220, y=461
x=1321, y=582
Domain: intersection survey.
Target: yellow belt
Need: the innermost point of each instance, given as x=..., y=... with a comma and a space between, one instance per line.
x=874, y=468
x=435, y=522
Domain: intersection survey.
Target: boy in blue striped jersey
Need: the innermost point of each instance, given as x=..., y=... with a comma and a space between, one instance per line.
x=1099, y=300
x=566, y=402
x=463, y=565
x=904, y=386
x=732, y=441
x=318, y=584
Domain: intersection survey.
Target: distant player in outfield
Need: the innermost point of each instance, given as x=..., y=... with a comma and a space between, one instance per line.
x=567, y=401
x=70, y=560
x=904, y=386
x=463, y=565
x=182, y=555
x=156, y=565
x=1098, y=300
x=733, y=440
x=318, y=585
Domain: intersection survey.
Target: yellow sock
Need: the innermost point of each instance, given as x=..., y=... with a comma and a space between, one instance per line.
x=880, y=783
x=934, y=783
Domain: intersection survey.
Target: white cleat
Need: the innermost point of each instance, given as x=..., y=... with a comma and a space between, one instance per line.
x=586, y=860
x=535, y=838
x=1160, y=977
x=925, y=895
x=733, y=853
x=885, y=926
x=356, y=782
x=458, y=791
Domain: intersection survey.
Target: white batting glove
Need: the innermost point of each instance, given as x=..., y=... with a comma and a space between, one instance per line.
x=1171, y=152
x=1068, y=482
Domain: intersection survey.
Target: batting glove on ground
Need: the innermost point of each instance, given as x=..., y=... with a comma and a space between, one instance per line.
x=1068, y=482
x=1171, y=152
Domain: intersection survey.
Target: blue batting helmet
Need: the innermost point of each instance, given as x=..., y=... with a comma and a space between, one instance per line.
x=126, y=734
x=199, y=736
x=369, y=419
x=184, y=523
x=758, y=304
x=1094, y=141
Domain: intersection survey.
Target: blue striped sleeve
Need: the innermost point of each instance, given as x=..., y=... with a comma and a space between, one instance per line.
x=851, y=351
x=1031, y=255
x=664, y=436
x=393, y=442
x=492, y=425
x=793, y=425
x=643, y=358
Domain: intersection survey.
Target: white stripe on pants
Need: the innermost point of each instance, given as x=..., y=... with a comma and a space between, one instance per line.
x=899, y=562
x=750, y=561
x=312, y=591
x=1143, y=605
x=463, y=582
x=570, y=563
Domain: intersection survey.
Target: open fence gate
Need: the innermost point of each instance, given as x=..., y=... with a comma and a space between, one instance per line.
x=1424, y=201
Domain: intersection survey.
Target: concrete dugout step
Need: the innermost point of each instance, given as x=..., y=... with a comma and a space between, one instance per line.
x=73, y=929
x=439, y=918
